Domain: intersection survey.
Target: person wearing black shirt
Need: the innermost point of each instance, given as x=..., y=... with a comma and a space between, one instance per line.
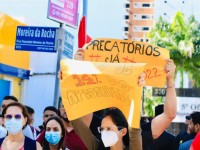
x=161, y=122
x=184, y=135
x=166, y=141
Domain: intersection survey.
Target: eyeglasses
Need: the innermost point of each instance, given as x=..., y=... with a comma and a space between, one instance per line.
x=101, y=129
x=16, y=116
x=46, y=116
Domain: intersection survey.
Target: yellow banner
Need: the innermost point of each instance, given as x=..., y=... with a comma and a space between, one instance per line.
x=8, y=55
x=90, y=86
x=127, y=51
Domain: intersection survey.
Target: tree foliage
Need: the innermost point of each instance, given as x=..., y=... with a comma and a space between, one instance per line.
x=150, y=102
x=182, y=38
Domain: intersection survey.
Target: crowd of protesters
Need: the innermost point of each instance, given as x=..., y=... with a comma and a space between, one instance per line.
x=57, y=132
x=106, y=129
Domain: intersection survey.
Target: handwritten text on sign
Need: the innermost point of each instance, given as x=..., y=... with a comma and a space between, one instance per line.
x=90, y=86
x=126, y=51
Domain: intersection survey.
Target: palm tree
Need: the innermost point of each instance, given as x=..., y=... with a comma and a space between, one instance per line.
x=182, y=38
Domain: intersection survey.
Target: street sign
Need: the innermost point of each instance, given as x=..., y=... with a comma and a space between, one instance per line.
x=63, y=11
x=185, y=106
x=179, y=92
x=188, y=100
x=68, y=45
x=159, y=92
x=40, y=39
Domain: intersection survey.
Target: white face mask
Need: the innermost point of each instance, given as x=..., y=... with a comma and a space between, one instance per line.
x=109, y=138
x=14, y=125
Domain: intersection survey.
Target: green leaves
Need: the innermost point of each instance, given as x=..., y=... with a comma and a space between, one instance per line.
x=182, y=38
x=150, y=102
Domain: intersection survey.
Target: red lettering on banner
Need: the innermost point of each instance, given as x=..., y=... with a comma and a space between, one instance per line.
x=85, y=79
x=151, y=73
x=94, y=56
x=129, y=60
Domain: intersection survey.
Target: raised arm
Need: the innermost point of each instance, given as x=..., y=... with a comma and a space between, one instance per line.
x=135, y=134
x=162, y=121
x=79, y=55
x=135, y=139
x=85, y=134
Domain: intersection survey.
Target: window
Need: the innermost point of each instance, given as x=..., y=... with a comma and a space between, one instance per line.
x=125, y=28
x=145, y=17
x=126, y=16
x=145, y=5
x=127, y=5
x=145, y=28
x=140, y=29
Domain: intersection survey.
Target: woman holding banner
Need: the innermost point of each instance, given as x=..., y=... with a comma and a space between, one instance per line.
x=113, y=129
x=113, y=133
x=136, y=139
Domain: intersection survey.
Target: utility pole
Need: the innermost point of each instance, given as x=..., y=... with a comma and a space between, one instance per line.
x=58, y=11
x=60, y=47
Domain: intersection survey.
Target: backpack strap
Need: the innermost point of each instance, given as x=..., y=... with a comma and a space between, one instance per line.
x=29, y=144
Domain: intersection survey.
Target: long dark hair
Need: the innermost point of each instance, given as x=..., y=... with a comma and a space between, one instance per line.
x=45, y=142
x=119, y=119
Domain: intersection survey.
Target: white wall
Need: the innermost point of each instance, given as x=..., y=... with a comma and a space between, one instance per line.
x=38, y=92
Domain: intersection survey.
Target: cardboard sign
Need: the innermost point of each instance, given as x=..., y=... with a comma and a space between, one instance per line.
x=90, y=86
x=127, y=51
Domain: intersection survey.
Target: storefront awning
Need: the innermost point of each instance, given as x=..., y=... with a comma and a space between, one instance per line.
x=12, y=62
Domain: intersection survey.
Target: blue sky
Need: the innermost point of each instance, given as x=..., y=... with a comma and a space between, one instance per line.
x=105, y=18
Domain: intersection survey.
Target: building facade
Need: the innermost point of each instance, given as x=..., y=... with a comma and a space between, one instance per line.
x=139, y=19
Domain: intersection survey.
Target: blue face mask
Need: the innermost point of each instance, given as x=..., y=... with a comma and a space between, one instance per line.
x=13, y=125
x=52, y=137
